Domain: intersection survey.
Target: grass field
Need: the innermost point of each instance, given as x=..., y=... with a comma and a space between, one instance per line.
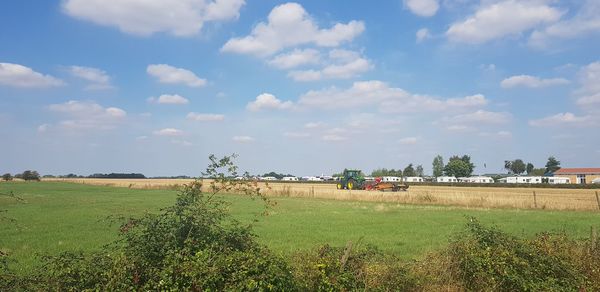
x=60, y=216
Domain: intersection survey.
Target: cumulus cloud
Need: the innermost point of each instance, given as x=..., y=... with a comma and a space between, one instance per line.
x=481, y=117
x=179, y=18
x=589, y=92
x=173, y=75
x=388, y=99
x=314, y=125
x=242, y=139
x=531, y=81
x=562, y=119
x=408, y=141
x=289, y=25
x=169, y=99
x=205, y=117
x=267, y=101
x=425, y=8
x=295, y=59
x=585, y=22
x=501, y=19
x=423, y=34
x=172, y=132
x=343, y=64
x=296, y=135
x=333, y=138
x=98, y=78
x=20, y=76
x=88, y=115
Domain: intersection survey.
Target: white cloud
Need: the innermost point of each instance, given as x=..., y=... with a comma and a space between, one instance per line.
x=141, y=138
x=425, y=8
x=585, y=22
x=205, y=117
x=43, y=128
x=172, y=132
x=481, y=117
x=501, y=19
x=562, y=119
x=98, y=79
x=344, y=64
x=169, y=99
x=295, y=59
x=88, y=115
x=179, y=18
x=314, y=125
x=242, y=139
x=290, y=25
x=423, y=34
x=333, y=138
x=173, y=75
x=182, y=142
x=408, y=141
x=498, y=135
x=531, y=81
x=296, y=135
x=20, y=76
x=388, y=99
x=589, y=92
x=267, y=101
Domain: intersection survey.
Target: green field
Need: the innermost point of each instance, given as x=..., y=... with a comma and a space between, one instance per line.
x=63, y=216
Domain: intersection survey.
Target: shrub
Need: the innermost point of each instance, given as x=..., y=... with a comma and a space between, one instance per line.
x=7, y=177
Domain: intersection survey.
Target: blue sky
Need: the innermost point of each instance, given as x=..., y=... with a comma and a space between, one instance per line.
x=304, y=87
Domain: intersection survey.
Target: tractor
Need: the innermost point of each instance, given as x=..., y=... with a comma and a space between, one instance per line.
x=351, y=179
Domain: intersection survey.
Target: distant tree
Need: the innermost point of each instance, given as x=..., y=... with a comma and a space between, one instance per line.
x=537, y=172
x=457, y=168
x=438, y=166
x=529, y=168
x=508, y=165
x=30, y=175
x=7, y=177
x=552, y=165
x=518, y=166
x=419, y=171
x=379, y=172
x=409, y=171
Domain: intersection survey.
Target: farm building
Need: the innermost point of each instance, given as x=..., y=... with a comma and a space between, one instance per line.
x=579, y=175
x=391, y=179
x=413, y=179
x=477, y=179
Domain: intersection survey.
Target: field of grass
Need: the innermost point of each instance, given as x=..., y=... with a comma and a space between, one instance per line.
x=59, y=216
x=485, y=197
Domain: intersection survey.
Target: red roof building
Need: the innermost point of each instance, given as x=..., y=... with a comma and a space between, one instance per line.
x=580, y=175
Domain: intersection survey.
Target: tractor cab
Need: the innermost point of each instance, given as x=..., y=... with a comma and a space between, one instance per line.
x=352, y=179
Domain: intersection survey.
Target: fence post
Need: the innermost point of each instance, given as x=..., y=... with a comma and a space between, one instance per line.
x=534, y=200
x=593, y=237
x=598, y=200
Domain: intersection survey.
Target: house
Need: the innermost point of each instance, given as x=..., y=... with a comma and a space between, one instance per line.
x=446, y=179
x=578, y=175
x=391, y=179
x=524, y=180
x=413, y=179
x=477, y=179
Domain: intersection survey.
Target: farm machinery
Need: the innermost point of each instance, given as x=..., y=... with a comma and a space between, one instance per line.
x=353, y=180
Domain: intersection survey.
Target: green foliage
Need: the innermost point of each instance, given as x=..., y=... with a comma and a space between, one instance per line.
x=537, y=172
x=552, y=165
x=386, y=172
x=459, y=166
x=419, y=171
x=517, y=166
x=529, y=168
x=488, y=259
x=350, y=269
x=7, y=177
x=30, y=175
x=409, y=171
x=438, y=166
x=276, y=175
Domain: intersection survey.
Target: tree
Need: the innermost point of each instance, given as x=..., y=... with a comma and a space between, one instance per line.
x=438, y=166
x=409, y=171
x=7, y=177
x=552, y=165
x=537, y=171
x=457, y=168
x=508, y=165
x=530, y=168
x=518, y=166
x=30, y=175
x=385, y=172
x=419, y=171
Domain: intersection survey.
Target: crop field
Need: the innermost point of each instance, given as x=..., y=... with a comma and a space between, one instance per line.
x=479, y=197
x=60, y=216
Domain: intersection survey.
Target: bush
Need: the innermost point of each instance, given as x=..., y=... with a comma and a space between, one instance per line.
x=30, y=175
x=7, y=177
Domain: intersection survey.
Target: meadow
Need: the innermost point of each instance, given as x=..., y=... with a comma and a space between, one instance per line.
x=60, y=216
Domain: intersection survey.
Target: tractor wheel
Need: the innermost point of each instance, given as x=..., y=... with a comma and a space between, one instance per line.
x=339, y=186
x=350, y=184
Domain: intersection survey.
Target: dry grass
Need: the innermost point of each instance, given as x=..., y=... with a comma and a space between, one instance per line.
x=471, y=197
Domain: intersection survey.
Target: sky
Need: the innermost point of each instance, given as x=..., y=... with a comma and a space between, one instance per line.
x=307, y=88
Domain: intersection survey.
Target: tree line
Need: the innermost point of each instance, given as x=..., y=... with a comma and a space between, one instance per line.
x=32, y=175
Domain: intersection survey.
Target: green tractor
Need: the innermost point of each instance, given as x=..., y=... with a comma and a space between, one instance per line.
x=352, y=179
